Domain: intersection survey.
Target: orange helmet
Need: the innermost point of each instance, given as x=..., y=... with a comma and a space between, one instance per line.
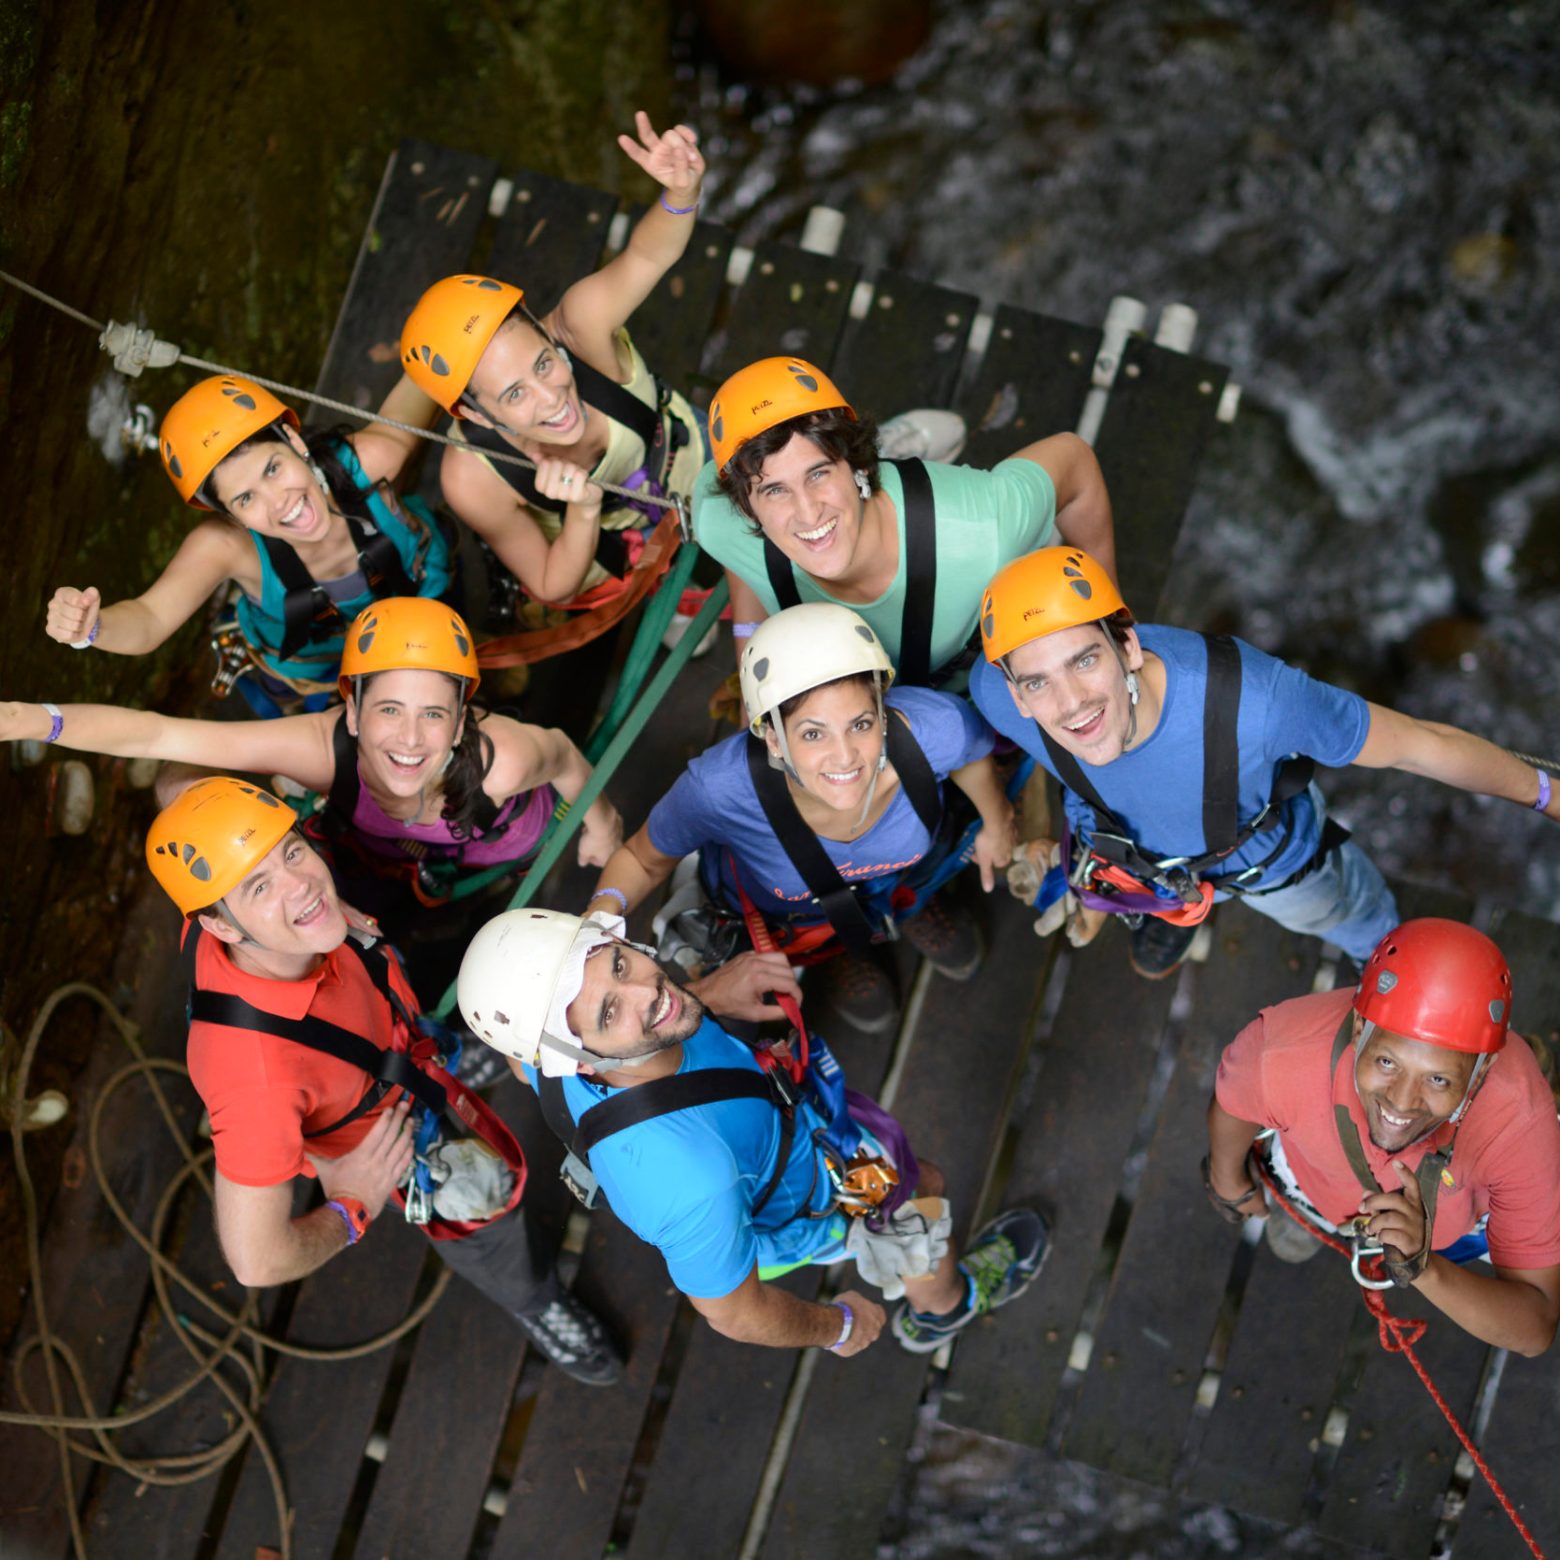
x=408, y=634
x=206, y=424
x=770, y=391
x=448, y=331
x=1043, y=593
x=203, y=844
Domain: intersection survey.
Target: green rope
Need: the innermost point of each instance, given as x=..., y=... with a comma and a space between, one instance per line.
x=641, y=654
x=562, y=829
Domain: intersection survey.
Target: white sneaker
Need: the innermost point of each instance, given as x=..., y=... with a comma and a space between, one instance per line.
x=680, y=624
x=927, y=433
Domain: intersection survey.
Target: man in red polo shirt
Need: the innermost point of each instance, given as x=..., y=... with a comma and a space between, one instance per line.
x=1399, y=1105
x=305, y=1048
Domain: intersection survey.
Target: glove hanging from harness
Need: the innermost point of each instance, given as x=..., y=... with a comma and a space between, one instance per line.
x=1115, y=874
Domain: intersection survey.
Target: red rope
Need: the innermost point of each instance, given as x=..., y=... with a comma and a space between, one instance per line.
x=1398, y=1335
x=758, y=932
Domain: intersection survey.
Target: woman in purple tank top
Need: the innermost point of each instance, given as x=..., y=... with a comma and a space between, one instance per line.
x=417, y=782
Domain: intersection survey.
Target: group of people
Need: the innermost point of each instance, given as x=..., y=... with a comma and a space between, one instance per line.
x=913, y=639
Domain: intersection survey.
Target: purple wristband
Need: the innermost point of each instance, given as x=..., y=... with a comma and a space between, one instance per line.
x=845, y=1331
x=91, y=639
x=1544, y=790
x=57, y=721
x=354, y=1234
x=677, y=211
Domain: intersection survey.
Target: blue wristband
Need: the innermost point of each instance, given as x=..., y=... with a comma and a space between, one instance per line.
x=58, y=722
x=354, y=1229
x=677, y=211
x=1541, y=805
x=613, y=893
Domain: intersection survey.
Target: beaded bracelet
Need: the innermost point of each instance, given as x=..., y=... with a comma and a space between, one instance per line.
x=57, y=721
x=677, y=211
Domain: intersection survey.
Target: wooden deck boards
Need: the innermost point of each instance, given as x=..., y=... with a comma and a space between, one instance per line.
x=673, y=1459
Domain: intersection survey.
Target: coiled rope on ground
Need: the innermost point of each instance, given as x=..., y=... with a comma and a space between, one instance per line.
x=237, y=1337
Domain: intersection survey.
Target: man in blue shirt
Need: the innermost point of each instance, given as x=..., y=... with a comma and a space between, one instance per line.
x=740, y=1187
x=1178, y=753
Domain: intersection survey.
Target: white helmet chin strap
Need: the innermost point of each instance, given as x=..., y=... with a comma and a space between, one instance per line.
x=584, y=1058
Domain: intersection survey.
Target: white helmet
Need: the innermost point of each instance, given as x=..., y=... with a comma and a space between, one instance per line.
x=803, y=648
x=519, y=976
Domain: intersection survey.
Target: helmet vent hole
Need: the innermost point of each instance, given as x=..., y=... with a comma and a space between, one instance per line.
x=1083, y=588
x=761, y=668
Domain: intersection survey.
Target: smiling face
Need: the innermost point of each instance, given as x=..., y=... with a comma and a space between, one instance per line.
x=269, y=487
x=1072, y=683
x=628, y=1007
x=523, y=385
x=286, y=906
x=407, y=724
x=808, y=505
x=1408, y=1088
x=836, y=740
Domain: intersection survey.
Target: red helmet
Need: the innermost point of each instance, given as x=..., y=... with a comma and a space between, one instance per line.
x=1440, y=982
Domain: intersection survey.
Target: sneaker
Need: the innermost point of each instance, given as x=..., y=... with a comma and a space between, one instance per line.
x=945, y=935
x=1158, y=948
x=575, y=1341
x=1002, y=1262
x=862, y=994
x=1287, y=1238
x=924, y=434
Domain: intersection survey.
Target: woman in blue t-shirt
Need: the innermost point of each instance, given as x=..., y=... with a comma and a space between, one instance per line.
x=831, y=815
x=308, y=528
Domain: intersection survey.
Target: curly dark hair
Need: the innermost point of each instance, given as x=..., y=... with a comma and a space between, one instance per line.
x=469, y=764
x=835, y=432
x=324, y=447
x=789, y=707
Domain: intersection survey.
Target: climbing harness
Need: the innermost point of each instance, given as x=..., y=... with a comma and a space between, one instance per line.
x=1115, y=874
x=443, y=1108
x=838, y=902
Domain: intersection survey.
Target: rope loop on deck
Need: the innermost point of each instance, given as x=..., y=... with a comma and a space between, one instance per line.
x=209, y=1348
x=1398, y=1335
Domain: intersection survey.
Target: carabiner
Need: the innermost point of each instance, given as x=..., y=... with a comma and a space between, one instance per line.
x=684, y=516
x=1363, y=1251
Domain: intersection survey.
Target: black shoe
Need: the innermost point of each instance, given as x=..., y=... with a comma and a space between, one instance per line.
x=1158, y=948
x=480, y=1066
x=575, y=1341
x=863, y=994
x=946, y=936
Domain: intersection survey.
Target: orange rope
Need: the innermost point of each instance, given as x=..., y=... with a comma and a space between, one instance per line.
x=1398, y=1335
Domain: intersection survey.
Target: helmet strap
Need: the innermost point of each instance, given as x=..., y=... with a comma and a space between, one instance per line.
x=882, y=763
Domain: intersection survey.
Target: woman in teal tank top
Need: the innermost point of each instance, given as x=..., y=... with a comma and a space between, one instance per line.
x=308, y=530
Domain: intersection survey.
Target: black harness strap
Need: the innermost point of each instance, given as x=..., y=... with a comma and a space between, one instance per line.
x=307, y=610
x=661, y=1097
x=1223, y=832
x=838, y=901
x=387, y=1069
x=919, y=606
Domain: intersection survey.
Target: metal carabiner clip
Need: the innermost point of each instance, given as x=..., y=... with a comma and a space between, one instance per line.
x=1363, y=1251
x=684, y=516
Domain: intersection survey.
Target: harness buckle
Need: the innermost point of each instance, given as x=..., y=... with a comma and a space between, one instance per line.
x=1363, y=1249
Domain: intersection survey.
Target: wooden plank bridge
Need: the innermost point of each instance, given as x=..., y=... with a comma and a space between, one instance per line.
x=1158, y=1346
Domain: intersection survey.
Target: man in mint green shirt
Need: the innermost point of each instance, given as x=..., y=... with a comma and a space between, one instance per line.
x=797, y=507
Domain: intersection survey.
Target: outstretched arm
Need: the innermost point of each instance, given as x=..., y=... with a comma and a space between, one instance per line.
x=1452, y=756
x=636, y=868
x=298, y=746
x=525, y=757
x=1083, y=516
x=598, y=304
x=214, y=552
x=382, y=450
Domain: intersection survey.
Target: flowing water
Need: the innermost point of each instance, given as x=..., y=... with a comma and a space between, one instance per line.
x=1360, y=201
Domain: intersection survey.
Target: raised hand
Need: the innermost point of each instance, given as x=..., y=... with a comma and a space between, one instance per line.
x=672, y=160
